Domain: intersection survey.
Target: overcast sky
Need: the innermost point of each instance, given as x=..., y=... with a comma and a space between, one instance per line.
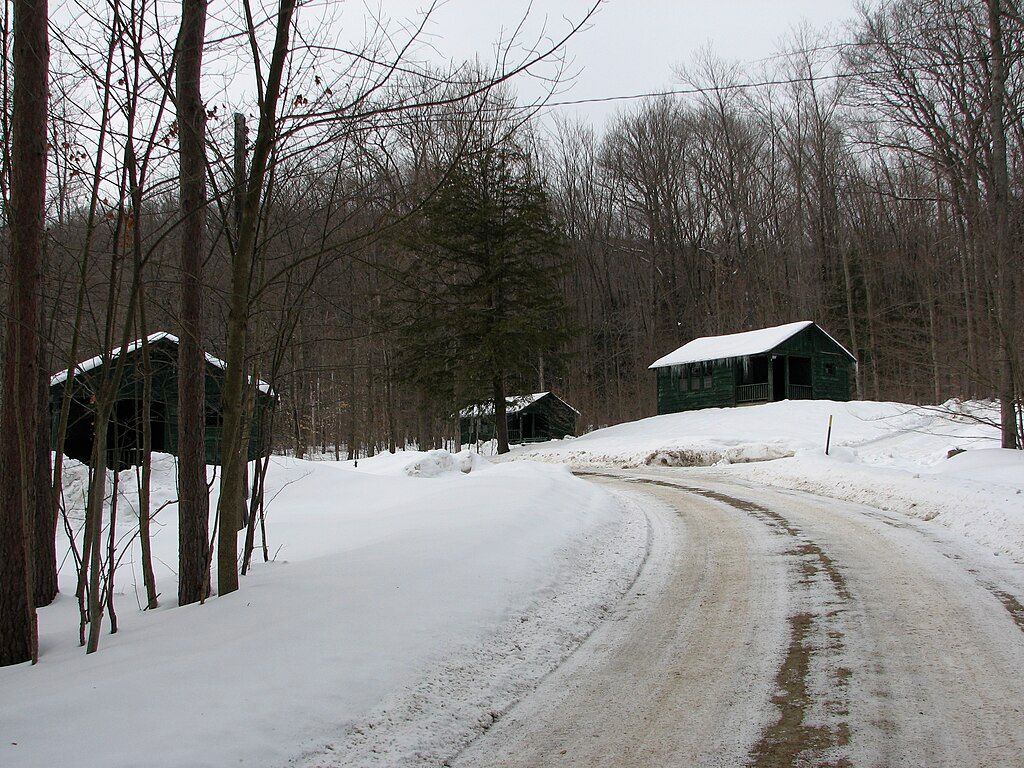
x=632, y=45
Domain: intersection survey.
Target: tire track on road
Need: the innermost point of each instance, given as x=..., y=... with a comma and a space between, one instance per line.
x=682, y=673
x=815, y=647
x=785, y=631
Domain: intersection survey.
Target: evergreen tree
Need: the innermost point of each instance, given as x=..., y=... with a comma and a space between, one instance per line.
x=482, y=283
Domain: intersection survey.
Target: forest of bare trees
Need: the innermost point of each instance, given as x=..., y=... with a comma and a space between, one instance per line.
x=858, y=184
x=870, y=180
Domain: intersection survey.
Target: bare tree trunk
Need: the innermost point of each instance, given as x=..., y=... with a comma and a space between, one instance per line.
x=298, y=398
x=1001, y=224
x=112, y=534
x=20, y=377
x=500, y=418
x=934, y=348
x=250, y=523
x=851, y=323
x=148, y=576
x=248, y=406
x=44, y=559
x=337, y=419
x=872, y=339
x=239, y=172
x=193, y=495
x=369, y=429
x=260, y=467
x=259, y=503
x=92, y=563
x=389, y=402
x=352, y=449
x=232, y=492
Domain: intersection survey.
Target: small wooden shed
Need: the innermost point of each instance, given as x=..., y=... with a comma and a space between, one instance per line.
x=531, y=418
x=124, y=432
x=796, y=361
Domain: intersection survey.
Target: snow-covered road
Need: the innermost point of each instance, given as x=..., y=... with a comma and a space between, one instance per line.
x=775, y=628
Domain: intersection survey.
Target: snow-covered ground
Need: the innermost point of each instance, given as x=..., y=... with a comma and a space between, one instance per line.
x=406, y=603
x=888, y=455
x=413, y=598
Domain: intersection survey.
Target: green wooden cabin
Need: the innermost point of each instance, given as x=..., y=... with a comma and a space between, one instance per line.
x=797, y=361
x=124, y=433
x=531, y=419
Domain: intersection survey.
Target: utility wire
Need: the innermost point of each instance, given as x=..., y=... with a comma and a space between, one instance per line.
x=753, y=84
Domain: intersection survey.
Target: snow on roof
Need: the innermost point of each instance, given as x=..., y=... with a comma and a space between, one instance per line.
x=94, y=362
x=736, y=345
x=514, y=404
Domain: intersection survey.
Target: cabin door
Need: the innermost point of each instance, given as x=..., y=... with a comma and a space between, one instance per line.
x=158, y=426
x=779, y=379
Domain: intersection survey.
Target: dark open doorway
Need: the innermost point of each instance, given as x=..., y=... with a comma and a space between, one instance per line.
x=158, y=426
x=124, y=434
x=800, y=378
x=78, y=437
x=779, y=379
x=800, y=371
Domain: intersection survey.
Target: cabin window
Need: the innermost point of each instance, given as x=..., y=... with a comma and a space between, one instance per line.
x=693, y=377
x=830, y=370
x=681, y=377
x=214, y=418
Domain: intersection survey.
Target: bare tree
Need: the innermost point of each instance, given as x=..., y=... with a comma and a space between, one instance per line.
x=193, y=498
x=19, y=423
x=232, y=496
x=1000, y=201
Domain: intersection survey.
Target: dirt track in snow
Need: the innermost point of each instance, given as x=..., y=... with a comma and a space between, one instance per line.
x=773, y=628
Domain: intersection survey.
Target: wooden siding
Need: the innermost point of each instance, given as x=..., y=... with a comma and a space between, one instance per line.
x=673, y=397
x=831, y=373
x=164, y=361
x=553, y=420
x=816, y=344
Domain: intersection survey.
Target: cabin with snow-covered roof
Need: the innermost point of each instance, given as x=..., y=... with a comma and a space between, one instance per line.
x=796, y=361
x=530, y=418
x=125, y=430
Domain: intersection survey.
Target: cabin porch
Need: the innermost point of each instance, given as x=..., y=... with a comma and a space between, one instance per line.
x=528, y=428
x=772, y=378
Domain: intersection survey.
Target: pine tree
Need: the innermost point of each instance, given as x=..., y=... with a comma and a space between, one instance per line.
x=483, y=282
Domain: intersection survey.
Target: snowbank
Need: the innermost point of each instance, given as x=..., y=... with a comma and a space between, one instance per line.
x=890, y=434
x=978, y=494
x=884, y=433
x=418, y=463
x=891, y=456
x=382, y=590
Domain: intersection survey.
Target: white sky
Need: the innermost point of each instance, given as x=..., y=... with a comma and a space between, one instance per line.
x=632, y=45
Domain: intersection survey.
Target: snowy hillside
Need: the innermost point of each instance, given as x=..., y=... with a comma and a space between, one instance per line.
x=889, y=455
x=410, y=605
x=892, y=434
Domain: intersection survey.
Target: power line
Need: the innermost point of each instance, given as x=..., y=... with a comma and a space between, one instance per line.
x=749, y=85
x=697, y=90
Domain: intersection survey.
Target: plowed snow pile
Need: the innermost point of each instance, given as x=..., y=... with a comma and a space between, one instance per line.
x=418, y=463
x=407, y=606
x=888, y=455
